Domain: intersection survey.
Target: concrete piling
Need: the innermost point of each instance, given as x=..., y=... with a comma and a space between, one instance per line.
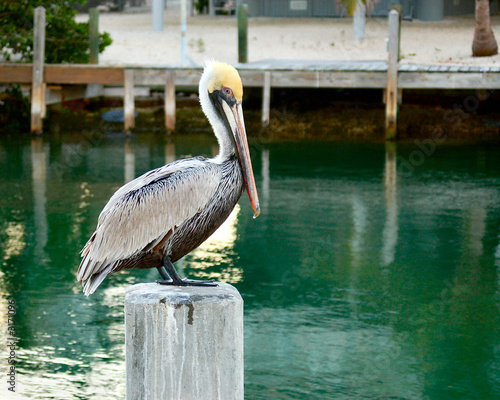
x=184, y=342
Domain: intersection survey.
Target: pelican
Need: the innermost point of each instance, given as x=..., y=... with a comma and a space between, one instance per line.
x=159, y=217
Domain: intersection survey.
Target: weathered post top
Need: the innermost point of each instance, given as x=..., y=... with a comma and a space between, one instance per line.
x=184, y=342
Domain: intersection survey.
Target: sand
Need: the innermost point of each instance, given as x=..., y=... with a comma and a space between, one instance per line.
x=446, y=42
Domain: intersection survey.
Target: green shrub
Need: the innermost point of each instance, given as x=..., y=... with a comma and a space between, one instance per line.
x=66, y=41
x=14, y=110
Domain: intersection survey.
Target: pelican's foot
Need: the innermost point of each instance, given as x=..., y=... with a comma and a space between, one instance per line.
x=171, y=277
x=186, y=282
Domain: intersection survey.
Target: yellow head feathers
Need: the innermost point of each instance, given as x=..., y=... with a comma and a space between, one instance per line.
x=225, y=75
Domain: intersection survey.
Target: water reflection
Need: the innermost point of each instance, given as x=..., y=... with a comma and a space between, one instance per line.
x=266, y=180
x=359, y=281
x=497, y=253
x=390, y=232
x=129, y=161
x=169, y=153
x=15, y=241
x=217, y=252
x=39, y=179
x=359, y=221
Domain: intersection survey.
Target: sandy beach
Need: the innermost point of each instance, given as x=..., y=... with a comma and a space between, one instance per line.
x=134, y=42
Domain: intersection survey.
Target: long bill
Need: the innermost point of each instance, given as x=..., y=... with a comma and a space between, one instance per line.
x=240, y=138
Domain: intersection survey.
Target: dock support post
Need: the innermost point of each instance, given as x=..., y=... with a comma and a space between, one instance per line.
x=243, y=33
x=128, y=101
x=38, y=85
x=183, y=342
x=391, y=107
x=266, y=98
x=170, y=101
x=94, y=35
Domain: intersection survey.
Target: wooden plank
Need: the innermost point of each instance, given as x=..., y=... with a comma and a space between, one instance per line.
x=82, y=74
x=38, y=86
x=63, y=74
x=170, y=101
x=128, y=101
x=368, y=80
x=252, y=78
x=16, y=73
x=377, y=67
x=449, y=80
x=118, y=91
x=391, y=110
x=296, y=79
x=59, y=94
x=156, y=77
x=266, y=98
x=415, y=67
x=476, y=69
x=409, y=76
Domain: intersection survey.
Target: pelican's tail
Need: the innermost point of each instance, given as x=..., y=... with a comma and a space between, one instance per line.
x=93, y=282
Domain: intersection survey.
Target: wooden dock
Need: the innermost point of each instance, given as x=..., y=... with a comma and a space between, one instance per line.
x=70, y=81
x=284, y=73
x=66, y=82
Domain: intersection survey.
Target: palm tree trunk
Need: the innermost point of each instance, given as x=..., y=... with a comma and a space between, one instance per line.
x=484, y=43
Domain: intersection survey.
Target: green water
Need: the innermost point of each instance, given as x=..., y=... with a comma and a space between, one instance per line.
x=372, y=273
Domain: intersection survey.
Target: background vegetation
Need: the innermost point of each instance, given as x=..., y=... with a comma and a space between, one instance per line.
x=66, y=41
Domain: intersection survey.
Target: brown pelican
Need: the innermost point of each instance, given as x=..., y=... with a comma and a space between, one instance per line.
x=159, y=217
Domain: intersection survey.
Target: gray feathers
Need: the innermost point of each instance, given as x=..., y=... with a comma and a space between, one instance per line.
x=170, y=210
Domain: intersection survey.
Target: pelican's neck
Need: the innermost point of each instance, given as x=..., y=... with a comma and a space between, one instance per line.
x=226, y=146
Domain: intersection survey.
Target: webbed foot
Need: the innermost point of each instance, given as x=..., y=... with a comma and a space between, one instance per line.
x=186, y=282
x=171, y=277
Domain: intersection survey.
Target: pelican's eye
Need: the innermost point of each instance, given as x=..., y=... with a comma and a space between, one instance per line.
x=227, y=91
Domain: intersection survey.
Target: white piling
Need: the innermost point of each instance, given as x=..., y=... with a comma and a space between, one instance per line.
x=157, y=10
x=184, y=342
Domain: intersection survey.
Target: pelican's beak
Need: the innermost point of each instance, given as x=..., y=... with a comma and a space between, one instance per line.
x=234, y=114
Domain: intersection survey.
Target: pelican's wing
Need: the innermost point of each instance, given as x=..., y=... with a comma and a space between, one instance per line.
x=145, y=211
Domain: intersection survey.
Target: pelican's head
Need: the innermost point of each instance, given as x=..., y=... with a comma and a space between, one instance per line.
x=221, y=94
x=225, y=78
